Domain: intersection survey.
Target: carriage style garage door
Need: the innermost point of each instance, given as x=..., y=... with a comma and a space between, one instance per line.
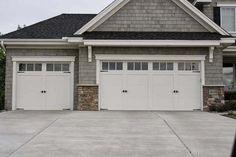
x=150, y=85
x=43, y=85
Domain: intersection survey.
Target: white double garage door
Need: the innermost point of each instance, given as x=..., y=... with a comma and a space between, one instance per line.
x=43, y=85
x=150, y=85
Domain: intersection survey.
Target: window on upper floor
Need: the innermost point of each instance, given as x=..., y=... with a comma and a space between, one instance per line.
x=228, y=18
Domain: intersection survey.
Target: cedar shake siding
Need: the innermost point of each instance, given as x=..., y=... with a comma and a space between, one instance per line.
x=151, y=16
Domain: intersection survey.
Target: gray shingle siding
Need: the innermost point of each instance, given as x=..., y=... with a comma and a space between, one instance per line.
x=213, y=71
x=34, y=52
x=151, y=15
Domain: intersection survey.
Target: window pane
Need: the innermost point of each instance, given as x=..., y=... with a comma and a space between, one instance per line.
x=195, y=66
x=137, y=66
x=30, y=67
x=188, y=66
x=65, y=67
x=162, y=66
x=170, y=66
x=49, y=67
x=104, y=65
x=112, y=66
x=119, y=66
x=228, y=19
x=57, y=67
x=22, y=67
x=228, y=76
x=156, y=66
x=144, y=66
x=130, y=66
x=38, y=67
x=181, y=66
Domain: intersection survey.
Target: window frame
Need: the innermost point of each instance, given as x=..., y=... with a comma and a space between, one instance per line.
x=108, y=66
x=221, y=16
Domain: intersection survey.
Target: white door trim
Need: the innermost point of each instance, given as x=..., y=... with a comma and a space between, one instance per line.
x=16, y=59
x=105, y=57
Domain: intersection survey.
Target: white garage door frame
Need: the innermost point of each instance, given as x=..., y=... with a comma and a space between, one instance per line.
x=16, y=59
x=108, y=57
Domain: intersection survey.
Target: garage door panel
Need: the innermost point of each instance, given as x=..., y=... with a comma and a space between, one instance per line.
x=138, y=92
x=188, y=96
x=162, y=92
x=163, y=85
x=43, y=86
x=112, y=96
x=29, y=89
x=58, y=92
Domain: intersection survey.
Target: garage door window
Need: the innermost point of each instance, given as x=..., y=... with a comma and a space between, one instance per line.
x=163, y=66
x=188, y=66
x=58, y=67
x=138, y=66
x=30, y=67
x=112, y=66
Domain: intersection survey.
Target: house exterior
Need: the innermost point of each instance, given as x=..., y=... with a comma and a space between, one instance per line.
x=133, y=55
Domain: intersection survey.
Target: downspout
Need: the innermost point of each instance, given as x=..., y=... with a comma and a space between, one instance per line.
x=3, y=46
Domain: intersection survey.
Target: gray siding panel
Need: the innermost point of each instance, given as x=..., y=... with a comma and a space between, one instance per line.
x=151, y=15
x=34, y=52
x=213, y=71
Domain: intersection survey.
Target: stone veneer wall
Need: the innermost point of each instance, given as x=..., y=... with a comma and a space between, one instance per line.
x=212, y=95
x=88, y=98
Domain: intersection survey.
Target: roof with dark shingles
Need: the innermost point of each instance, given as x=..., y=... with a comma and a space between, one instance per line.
x=152, y=35
x=63, y=25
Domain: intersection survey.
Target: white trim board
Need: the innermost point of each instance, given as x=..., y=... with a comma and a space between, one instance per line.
x=151, y=57
x=226, y=4
x=43, y=58
x=158, y=43
x=202, y=1
x=16, y=59
x=184, y=4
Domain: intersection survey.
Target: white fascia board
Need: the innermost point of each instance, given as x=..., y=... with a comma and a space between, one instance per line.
x=150, y=57
x=35, y=42
x=74, y=39
x=226, y=4
x=43, y=58
x=202, y=1
x=200, y=17
x=102, y=16
x=230, y=49
x=155, y=43
x=227, y=41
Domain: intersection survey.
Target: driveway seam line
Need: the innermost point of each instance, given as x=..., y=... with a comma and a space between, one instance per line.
x=188, y=149
x=38, y=133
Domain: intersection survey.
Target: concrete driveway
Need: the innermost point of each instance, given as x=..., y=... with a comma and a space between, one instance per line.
x=115, y=134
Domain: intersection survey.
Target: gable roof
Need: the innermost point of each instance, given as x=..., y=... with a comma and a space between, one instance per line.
x=63, y=25
x=184, y=4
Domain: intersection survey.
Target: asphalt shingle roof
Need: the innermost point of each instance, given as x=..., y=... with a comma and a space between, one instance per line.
x=63, y=25
x=152, y=35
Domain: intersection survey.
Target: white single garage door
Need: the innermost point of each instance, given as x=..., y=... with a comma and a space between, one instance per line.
x=150, y=85
x=43, y=85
